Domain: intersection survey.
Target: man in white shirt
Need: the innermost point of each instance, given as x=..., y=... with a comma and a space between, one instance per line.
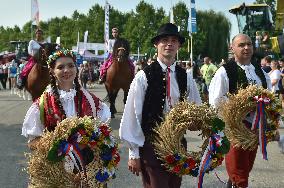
x=235, y=74
x=153, y=92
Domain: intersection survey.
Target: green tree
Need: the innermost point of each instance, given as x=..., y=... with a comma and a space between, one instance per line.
x=213, y=36
x=142, y=26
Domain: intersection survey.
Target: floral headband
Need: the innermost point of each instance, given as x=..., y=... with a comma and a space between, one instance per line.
x=60, y=53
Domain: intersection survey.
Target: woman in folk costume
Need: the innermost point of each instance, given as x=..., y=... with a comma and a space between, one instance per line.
x=63, y=98
x=34, y=46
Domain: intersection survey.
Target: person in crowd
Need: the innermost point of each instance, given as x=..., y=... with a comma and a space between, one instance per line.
x=153, y=92
x=281, y=81
x=258, y=39
x=1, y=74
x=239, y=162
x=275, y=76
x=265, y=64
x=207, y=71
x=5, y=70
x=12, y=74
x=265, y=43
x=34, y=46
x=64, y=97
x=84, y=74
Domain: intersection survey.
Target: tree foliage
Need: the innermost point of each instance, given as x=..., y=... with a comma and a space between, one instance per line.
x=138, y=26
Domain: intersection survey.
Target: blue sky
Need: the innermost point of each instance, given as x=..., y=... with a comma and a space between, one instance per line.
x=18, y=12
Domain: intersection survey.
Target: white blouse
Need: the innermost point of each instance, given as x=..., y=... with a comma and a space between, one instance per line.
x=275, y=75
x=130, y=127
x=33, y=47
x=219, y=85
x=33, y=127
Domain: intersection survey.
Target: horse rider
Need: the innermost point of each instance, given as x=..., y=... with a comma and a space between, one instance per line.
x=107, y=64
x=34, y=46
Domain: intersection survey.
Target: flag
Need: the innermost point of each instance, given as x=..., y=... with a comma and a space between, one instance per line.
x=34, y=12
x=106, y=33
x=172, y=16
x=57, y=40
x=86, y=36
x=191, y=26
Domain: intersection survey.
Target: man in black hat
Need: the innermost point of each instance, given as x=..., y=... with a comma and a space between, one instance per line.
x=153, y=92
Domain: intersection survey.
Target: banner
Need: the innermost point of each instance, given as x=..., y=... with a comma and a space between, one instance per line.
x=106, y=33
x=86, y=36
x=191, y=26
x=48, y=39
x=34, y=12
x=78, y=40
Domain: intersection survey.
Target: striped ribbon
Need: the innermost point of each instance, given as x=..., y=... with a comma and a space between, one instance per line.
x=259, y=122
x=204, y=165
x=73, y=151
x=214, y=142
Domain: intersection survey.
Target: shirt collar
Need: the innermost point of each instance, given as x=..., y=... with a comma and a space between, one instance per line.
x=164, y=66
x=249, y=66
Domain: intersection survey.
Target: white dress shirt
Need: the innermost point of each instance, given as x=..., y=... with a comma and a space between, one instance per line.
x=130, y=127
x=219, y=85
x=33, y=127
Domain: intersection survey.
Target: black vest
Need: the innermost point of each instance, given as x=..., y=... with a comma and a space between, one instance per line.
x=237, y=76
x=152, y=112
x=155, y=96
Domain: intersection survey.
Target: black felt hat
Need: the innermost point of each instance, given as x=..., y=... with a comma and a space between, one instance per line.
x=168, y=29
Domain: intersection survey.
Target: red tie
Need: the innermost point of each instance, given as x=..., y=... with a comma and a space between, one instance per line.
x=169, y=87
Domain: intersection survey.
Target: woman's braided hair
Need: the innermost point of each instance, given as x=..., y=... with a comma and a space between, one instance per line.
x=51, y=63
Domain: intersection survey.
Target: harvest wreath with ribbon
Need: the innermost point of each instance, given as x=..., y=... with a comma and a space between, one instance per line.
x=78, y=151
x=187, y=116
x=251, y=117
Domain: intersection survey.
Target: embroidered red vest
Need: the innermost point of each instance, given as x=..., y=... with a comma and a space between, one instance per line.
x=51, y=115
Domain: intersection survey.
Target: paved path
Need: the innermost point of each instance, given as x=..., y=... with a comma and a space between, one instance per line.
x=265, y=174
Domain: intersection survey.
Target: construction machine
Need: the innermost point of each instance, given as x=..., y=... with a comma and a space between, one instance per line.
x=257, y=18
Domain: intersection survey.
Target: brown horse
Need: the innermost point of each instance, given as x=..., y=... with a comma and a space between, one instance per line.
x=38, y=77
x=119, y=75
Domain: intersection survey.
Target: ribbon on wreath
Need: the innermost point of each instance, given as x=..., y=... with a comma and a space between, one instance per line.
x=214, y=142
x=72, y=154
x=259, y=122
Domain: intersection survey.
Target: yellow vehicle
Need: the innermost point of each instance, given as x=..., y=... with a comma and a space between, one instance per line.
x=255, y=18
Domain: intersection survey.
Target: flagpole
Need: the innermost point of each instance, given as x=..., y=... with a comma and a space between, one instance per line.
x=191, y=50
x=31, y=20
